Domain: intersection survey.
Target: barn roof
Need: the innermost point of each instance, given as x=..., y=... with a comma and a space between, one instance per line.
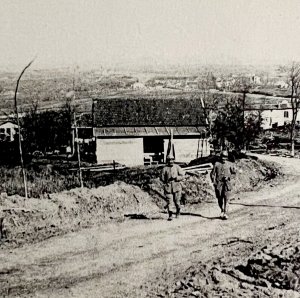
x=148, y=112
x=126, y=131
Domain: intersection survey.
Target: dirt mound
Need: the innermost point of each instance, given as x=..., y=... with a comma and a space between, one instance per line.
x=37, y=219
x=198, y=188
x=278, y=266
x=273, y=271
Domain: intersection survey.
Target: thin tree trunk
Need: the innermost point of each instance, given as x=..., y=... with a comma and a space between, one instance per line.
x=293, y=126
x=293, y=148
x=19, y=127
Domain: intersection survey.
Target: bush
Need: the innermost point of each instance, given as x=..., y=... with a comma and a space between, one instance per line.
x=40, y=180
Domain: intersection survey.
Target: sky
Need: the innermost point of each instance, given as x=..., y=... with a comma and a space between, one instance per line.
x=109, y=32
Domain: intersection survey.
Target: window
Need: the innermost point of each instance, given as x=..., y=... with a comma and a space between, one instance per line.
x=2, y=130
x=286, y=114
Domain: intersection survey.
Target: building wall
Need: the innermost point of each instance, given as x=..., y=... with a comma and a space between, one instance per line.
x=8, y=129
x=186, y=149
x=128, y=151
x=280, y=117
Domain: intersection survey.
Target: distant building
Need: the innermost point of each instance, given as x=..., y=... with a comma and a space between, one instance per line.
x=8, y=131
x=219, y=83
x=281, y=84
x=275, y=114
x=191, y=85
x=254, y=79
x=138, y=86
x=135, y=131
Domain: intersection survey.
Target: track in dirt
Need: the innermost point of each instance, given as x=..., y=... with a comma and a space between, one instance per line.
x=134, y=257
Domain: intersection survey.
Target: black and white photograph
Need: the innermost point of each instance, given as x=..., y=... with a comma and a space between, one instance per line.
x=150, y=148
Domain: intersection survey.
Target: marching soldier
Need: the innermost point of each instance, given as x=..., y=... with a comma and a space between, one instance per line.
x=171, y=176
x=220, y=176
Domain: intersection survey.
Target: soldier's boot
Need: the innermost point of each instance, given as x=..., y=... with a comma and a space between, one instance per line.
x=170, y=215
x=222, y=214
x=177, y=213
x=225, y=216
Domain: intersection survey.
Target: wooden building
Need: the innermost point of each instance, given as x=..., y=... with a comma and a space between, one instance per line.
x=135, y=131
x=8, y=131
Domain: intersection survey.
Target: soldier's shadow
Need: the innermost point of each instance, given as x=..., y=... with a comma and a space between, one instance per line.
x=265, y=205
x=197, y=215
x=200, y=215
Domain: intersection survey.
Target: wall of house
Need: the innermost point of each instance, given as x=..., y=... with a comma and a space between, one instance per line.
x=270, y=117
x=8, y=129
x=128, y=151
x=186, y=149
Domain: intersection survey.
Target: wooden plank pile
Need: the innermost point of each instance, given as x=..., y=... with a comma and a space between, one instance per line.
x=199, y=169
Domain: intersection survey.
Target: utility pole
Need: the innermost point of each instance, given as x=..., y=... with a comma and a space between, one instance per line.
x=19, y=128
x=76, y=137
x=78, y=151
x=93, y=114
x=244, y=100
x=245, y=90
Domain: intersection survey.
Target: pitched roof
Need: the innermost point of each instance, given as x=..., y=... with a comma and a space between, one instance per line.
x=148, y=112
x=125, y=131
x=7, y=121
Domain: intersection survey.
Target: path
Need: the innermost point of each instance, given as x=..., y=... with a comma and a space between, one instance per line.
x=131, y=258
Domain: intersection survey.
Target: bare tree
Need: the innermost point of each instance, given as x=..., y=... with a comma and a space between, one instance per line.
x=294, y=85
x=19, y=127
x=232, y=129
x=207, y=100
x=243, y=86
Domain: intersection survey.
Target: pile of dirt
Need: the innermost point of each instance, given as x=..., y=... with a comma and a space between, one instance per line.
x=277, y=266
x=198, y=188
x=273, y=271
x=36, y=219
x=252, y=173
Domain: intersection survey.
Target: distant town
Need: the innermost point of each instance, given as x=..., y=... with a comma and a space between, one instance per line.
x=254, y=89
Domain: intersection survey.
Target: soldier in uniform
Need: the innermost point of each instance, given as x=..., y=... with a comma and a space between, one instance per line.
x=171, y=176
x=220, y=175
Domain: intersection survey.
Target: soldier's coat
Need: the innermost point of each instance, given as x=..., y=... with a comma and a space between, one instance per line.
x=220, y=171
x=171, y=177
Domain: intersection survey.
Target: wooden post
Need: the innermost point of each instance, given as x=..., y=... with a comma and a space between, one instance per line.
x=244, y=100
x=76, y=136
x=1, y=228
x=114, y=172
x=198, y=148
x=93, y=114
x=78, y=152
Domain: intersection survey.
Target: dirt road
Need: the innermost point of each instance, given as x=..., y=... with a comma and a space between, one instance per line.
x=135, y=257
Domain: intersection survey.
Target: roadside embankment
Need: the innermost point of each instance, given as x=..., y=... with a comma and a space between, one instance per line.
x=35, y=219
x=197, y=188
